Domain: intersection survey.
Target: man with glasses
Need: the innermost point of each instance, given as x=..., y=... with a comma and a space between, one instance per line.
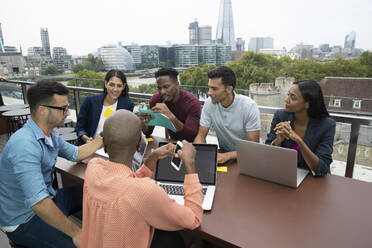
x=32, y=212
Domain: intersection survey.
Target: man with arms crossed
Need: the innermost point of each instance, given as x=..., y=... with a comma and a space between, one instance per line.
x=122, y=208
x=232, y=116
x=180, y=106
x=32, y=212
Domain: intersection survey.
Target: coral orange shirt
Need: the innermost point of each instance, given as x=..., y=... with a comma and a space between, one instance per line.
x=122, y=208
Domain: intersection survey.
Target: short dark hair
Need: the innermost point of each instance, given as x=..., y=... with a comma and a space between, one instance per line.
x=119, y=74
x=166, y=71
x=312, y=93
x=42, y=93
x=227, y=75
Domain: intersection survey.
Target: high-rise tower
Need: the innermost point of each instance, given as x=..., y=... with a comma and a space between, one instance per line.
x=225, y=27
x=194, y=33
x=350, y=40
x=45, y=41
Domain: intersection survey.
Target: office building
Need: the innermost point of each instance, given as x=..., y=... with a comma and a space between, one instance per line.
x=278, y=53
x=35, y=52
x=350, y=40
x=207, y=54
x=225, y=26
x=324, y=48
x=10, y=49
x=135, y=51
x=186, y=55
x=36, y=57
x=257, y=43
x=116, y=57
x=194, y=33
x=61, y=59
x=200, y=35
x=44, y=34
x=303, y=51
x=224, y=54
x=150, y=55
x=205, y=35
x=240, y=44
x=167, y=56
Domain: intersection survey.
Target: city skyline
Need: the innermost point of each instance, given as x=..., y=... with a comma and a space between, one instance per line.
x=83, y=26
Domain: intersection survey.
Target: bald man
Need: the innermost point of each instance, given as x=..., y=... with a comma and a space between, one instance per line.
x=122, y=208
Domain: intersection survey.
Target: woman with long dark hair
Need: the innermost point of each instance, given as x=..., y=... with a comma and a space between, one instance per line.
x=305, y=125
x=96, y=108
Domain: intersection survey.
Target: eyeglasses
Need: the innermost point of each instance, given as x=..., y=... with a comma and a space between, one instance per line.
x=63, y=108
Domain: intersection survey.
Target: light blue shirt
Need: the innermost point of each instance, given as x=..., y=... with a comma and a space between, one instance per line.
x=26, y=171
x=233, y=122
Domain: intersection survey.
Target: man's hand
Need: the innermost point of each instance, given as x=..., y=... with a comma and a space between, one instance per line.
x=77, y=239
x=163, y=109
x=86, y=139
x=89, y=148
x=2, y=78
x=159, y=153
x=165, y=151
x=98, y=141
x=223, y=157
x=187, y=155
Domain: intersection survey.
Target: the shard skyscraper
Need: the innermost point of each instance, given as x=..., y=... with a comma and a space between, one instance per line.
x=225, y=27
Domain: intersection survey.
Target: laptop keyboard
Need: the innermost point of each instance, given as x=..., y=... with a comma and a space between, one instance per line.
x=177, y=189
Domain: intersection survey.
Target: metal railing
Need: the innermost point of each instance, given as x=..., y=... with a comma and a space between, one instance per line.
x=355, y=120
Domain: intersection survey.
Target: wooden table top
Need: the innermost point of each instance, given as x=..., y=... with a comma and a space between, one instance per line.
x=328, y=211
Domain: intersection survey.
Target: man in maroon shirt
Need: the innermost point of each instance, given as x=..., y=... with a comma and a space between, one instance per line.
x=180, y=106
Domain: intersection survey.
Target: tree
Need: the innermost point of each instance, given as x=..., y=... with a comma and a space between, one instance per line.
x=78, y=67
x=366, y=61
x=87, y=78
x=255, y=68
x=92, y=64
x=366, y=58
x=145, y=88
x=195, y=79
x=51, y=70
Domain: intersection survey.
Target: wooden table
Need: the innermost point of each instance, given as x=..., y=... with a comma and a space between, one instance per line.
x=331, y=211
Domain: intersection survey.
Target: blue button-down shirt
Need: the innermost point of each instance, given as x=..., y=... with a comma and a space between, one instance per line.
x=26, y=172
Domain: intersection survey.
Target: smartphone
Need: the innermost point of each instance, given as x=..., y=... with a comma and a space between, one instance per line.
x=177, y=162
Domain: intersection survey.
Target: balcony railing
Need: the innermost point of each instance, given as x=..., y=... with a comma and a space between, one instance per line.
x=354, y=120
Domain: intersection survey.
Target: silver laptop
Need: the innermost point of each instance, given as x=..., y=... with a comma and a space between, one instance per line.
x=271, y=163
x=139, y=154
x=171, y=180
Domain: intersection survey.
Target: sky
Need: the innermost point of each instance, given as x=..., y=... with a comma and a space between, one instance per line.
x=82, y=26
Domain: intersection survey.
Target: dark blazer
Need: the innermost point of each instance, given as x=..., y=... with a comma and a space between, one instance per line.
x=318, y=137
x=90, y=112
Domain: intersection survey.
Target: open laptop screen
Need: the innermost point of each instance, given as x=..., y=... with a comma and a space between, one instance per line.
x=205, y=166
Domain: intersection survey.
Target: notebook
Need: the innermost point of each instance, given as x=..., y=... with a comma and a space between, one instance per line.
x=171, y=180
x=271, y=163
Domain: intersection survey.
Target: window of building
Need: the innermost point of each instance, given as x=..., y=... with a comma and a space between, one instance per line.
x=337, y=103
x=357, y=104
